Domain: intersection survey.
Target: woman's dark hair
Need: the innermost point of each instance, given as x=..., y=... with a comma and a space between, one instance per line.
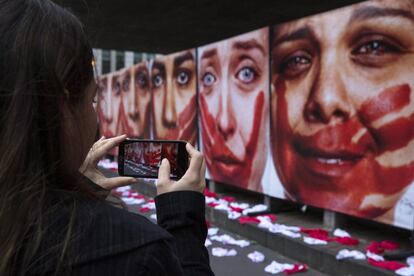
x=45, y=61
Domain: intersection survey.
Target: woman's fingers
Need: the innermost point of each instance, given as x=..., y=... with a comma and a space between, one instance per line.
x=104, y=146
x=114, y=182
x=164, y=172
x=196, y=162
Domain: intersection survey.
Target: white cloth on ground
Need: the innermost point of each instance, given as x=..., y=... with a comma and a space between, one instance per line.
x=226, y=239
x=341, y=233
x=275, y=267
x=374, y=256
x=256, y=256
x=314, y=241
x=213, y=231
x=223, y=252
x=350, y=254
x=207, y=243
x=255, y=208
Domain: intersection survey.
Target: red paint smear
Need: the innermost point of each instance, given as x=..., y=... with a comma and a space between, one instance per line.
x=390, y=100
x=212, y=204
x=209, y=194
x=236, y=209
x=103, y=124
x=318, y=231
x=214, y=145
x=122, y=126
x=366, y=177
x=346, y=240
x=296, y=269
x=389, y=265
x=390, y=245
x=245, y=220
x=228, y=198
x=169, y=152
x=186, y=128
x=395, y=135
x=144, y=210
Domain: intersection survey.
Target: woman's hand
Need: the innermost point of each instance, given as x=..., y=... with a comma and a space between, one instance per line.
x=192, y=180
x=96, y=153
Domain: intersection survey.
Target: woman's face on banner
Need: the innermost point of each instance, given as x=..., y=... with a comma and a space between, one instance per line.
x=233, y=85
x=135, y=96
x=105, y=110
x=139, y=112
x=115, y=102
x=174, y=97
x=343, y=107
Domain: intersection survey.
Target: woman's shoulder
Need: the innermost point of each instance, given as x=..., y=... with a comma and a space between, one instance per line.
x=103, y=229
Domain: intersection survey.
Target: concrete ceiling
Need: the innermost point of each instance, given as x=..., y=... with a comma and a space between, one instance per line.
x=166, y=26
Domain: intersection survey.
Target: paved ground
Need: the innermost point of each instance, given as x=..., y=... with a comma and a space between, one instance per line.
x=240, y=265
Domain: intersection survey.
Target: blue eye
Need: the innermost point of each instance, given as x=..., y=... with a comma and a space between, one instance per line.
x=183, y=78
x=125, y=84
x=157, y=81
x=208, y=79
x=246, y=75
x=141, y=80
x=116, y=88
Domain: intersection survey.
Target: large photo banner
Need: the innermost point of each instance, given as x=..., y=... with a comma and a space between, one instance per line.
x=233, y=82
x=124, y=102
x=173, y=89
x=154, y=99
x=319, y=110
x=342, y=110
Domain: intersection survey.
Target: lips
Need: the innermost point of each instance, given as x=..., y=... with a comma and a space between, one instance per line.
x=334, y=163
x=222, y=163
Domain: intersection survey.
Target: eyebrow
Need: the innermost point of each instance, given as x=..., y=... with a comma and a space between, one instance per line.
x=370, y=12
x=301, y=33
x=249, y=45
x=209, y=53
x=158, y=65
x=183, y=58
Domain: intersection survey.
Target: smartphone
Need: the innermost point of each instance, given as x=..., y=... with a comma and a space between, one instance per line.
x=142, y=158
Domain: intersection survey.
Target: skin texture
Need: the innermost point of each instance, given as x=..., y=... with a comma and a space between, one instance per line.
x=135, y=98
x=342, y=105
x=173, y=87
x=108, y=101
x=233, y=85
x=103, y=105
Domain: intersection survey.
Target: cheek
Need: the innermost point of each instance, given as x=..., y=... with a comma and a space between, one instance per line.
x=212, y=103
x=296, y=100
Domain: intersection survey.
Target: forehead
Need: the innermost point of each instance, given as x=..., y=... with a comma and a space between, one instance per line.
x=259, y=37
x=124, y=74
x=175, y=58
x=140, y=67
x=341, y=18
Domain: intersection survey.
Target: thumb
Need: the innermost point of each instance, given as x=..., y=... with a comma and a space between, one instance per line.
x=164, y=171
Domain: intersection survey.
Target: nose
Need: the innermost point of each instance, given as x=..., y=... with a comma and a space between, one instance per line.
x=328, y=100
x=108, y=108
x=226, y=121
x=133, y=104
x=169, y=112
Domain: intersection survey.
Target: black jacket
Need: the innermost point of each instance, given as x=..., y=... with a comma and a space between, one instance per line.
x=112, y=241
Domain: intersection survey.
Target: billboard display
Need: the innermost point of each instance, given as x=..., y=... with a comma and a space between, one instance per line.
x=342, y=110
x=324, y=116
x=173, y=90
x=233, y=81
x=124, y=99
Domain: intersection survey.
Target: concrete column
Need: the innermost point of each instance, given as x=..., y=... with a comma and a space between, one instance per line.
x=129, y=59
x=112, y=61
x=332, y=220
x=97, y=53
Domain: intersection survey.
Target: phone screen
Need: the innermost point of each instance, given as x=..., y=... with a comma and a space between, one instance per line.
x=142, y=158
